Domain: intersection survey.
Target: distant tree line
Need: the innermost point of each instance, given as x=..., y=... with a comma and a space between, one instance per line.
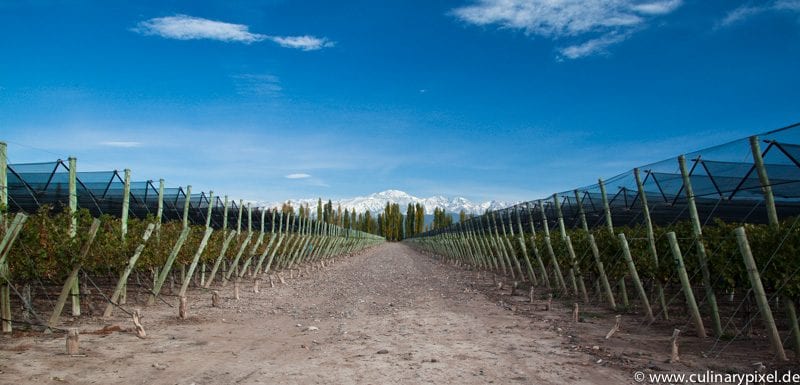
x=391, y=223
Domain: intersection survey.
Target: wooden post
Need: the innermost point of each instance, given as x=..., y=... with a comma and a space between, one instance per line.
x=235, y=262
x=137, y=324
x=186, y=204
x=791, y=311
x=183, y=304
x=126, y=202
x=701, y=249
x=168, y=266
x=686, y=285
x=560, y=216
x=195, y=259
x=220, y=257
x=72, y=342
x=577, y=270
x=623, y=292
x=759, y=294
x=123, y=278
x=602, y=272
x=215, y=299
x=160, y=211
x=615, y=328
x=4, y=184
x=225, y=215
x=606, y=207
x=535, y=248
x=73, y=275
x=651, y=239
x=766, y=187
x=673, y=358
x=549, y=246
x=209, y=210
x=626, y=253
x=239, y=221
x=73, y=209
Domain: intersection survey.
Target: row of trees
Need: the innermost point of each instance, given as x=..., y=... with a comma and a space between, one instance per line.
x=391, y=223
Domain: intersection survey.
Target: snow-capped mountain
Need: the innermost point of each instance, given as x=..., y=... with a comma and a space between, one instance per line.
x=377, y=202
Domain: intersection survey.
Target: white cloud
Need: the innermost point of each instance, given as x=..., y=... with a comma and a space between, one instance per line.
x=298, y=176
x=183, y=27
x=121, y=144
x=592, y=46
x=747, y=11
x=599, y=23
x=304, y=43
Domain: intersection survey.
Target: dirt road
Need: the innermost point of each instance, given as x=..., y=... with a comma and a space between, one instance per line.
x=389, y=315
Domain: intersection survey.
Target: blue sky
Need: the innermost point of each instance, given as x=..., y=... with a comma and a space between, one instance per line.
x=488, y=99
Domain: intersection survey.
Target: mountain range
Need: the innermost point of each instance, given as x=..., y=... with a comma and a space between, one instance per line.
x=377, y=202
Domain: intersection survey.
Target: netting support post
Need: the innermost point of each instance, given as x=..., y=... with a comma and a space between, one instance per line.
x=759, y=294
x=160, y=211
x=766, y=187
x=75, y=291
x=651, y=240
x=239, y=220
x=209, y=210
x=5, y=293
x=606, y=207
x=186, y=203
x=686, y=285
x=626, y=253
x=126, y=201
x=697, y=230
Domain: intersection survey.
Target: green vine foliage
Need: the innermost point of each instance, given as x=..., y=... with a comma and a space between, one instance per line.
x=775, y=251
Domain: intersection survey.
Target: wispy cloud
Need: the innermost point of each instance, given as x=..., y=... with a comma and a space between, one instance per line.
x=745, y=12
x=598, y=23
x=298, y=176
x=184, y=27
x=304, y=43
x=121, y=144
x=592, y=46
x=257, y=84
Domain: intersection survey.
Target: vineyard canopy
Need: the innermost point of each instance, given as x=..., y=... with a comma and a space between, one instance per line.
x=31, y=185
x=724, y=180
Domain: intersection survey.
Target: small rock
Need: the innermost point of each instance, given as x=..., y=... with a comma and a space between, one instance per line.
x=159, y=366
x=383, y=351
x=312, y=328
x=595, y=347
x=600, y=361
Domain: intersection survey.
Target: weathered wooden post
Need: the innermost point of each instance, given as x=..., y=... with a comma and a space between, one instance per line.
x=123, y=278
x=160, y=210
x=686, y=285
x=73, y=276
x=4, y=184
x=535, y=248
x=72, y=342
x=606, y=207
x=73, y=209
x=766, y=187
x=549, y=246
x=126, y=202
x=568, y=242
x=195, y=259
x=626, y=253
x=601, y=272
x=759, y=293
x=697, y=230
x=186, y=204
x=651, y=239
